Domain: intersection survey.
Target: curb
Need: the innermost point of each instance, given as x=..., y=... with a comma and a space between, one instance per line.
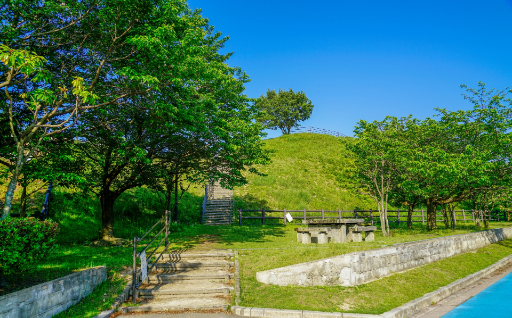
x=403, y=311
x=105, y=314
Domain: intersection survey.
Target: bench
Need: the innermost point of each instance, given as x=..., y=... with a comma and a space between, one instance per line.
x=355, y=233
x=310, y=235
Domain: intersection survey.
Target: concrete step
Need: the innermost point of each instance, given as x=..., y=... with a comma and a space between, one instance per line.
x=178, y=304
x=188, y=256
x=194, y=275
x=178, y=266
x=191, y=289
x=227, y=223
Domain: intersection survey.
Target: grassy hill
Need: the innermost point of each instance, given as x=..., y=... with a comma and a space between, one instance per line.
x=306, y=173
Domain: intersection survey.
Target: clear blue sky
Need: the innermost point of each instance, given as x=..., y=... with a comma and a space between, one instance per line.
x=367, y=59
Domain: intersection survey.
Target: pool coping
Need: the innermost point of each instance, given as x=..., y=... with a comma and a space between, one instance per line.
x=402, y=311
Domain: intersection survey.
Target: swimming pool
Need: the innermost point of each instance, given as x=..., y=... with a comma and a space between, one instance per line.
x=494, y=301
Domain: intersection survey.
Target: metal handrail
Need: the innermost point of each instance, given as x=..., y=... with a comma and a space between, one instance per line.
x=203, y=210
x=135, y=271
x=46, y=205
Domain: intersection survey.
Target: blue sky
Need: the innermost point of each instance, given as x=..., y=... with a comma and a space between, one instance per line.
x=367, y=59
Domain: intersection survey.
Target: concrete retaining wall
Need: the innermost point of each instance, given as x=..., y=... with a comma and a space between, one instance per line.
x=362, y=267
x=51, y=298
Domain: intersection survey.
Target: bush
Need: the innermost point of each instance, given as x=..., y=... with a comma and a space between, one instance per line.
x=24, y=241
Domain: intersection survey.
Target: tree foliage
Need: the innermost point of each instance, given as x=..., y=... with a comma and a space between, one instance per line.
x=283, y=110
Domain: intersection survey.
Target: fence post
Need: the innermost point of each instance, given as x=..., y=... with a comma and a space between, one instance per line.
x=498, y=215
x=166, y=229
x=339, y=214
x=473, y=215
x=322, y=214
x=240, y=216
x=454, y=218
x=398, y=216
x=134, y=271
x=463, y=215
x=284, y=216
x=304, y=214
x=262, y=216
x=371, y=215
x=355, y=213
x=422, y=217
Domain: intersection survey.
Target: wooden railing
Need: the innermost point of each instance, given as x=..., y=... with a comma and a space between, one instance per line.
x=371, y=216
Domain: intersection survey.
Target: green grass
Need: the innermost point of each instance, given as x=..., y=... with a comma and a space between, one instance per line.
x=307, y=172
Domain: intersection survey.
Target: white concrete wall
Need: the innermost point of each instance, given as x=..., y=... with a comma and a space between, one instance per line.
x=50, y=298
x=362, y=267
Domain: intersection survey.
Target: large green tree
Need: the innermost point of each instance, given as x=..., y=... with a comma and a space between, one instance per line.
x=283, y=110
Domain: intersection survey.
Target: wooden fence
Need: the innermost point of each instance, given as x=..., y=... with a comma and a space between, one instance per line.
x=371, y=216
x=314, y=130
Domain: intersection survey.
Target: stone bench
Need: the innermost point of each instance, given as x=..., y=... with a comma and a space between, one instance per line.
x=309, y=235
x=355, y=233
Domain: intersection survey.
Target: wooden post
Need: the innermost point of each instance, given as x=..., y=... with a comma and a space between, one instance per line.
x=498, y=215
x=339, y=214
x=262, y=216
x=422, y=217
x=355, y=213
x=284, y=216
x=463, y=215
x=454, y=218
x=240, y=216
x=304, y=214
x=398, y=216
x=322, y=214
x=371, y=216
x=473, y=215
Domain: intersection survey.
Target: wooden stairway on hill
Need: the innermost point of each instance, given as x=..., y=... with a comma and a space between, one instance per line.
x=218, y=205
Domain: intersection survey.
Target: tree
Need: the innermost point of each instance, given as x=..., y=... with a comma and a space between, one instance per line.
x=283, y=110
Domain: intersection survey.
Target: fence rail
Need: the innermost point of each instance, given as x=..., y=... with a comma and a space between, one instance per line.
x=371, y=216
x=136, y=271
x=314, y=130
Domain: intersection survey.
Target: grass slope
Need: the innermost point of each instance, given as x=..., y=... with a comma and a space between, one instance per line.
x=306, y=173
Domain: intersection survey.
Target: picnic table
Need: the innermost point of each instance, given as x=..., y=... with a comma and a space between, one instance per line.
x=335, y=230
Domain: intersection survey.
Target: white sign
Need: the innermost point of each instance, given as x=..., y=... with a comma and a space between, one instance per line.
x=143, y=266
x=289, y=217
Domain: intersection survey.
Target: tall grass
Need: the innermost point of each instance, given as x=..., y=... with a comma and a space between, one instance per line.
x=307, y=172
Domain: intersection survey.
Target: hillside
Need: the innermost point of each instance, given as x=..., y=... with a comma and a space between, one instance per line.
x=306, y=173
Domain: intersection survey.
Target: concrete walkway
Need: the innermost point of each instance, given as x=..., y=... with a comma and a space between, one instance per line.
x=446, y=305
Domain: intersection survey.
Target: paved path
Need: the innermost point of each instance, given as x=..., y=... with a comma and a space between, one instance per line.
x=449, y=303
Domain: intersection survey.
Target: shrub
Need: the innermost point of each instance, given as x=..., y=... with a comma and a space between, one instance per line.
x=24, y=241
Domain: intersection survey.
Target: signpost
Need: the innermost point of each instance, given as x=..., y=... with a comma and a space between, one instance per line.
x=143, y=266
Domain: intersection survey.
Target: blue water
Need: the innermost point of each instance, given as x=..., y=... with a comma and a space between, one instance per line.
x=495, y=301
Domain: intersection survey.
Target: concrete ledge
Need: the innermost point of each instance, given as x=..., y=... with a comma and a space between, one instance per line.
x=361, y=267
x=50, y=298
x=285, y=313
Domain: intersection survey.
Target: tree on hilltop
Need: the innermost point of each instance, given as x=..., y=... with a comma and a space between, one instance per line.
x=283, y=110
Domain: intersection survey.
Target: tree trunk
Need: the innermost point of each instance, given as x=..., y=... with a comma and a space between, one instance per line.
x=107, y=199
x=487, y=218
x=409, y=215
x=431, y=215
x=23, y=210
x=9, y=195
x=168, y=198
x=445, y=217
x=176, y=199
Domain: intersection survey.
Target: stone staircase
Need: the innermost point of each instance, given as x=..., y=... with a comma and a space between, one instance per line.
x=219, y=206
x=188, y=281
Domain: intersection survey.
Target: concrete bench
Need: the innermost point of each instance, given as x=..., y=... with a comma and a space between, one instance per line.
x=310, y=235
x=355, y=233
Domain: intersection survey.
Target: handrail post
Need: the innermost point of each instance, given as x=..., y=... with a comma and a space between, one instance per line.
x=166, y=229
x=134, y=271
x=240, y=216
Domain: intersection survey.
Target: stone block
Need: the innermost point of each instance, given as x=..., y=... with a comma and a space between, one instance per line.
x=257, y=312
x=237, y=310
x=323, y=238
x=282, y=313
x=369, y=236
x=320, y=314
x=246, y=312
x=306, y=238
